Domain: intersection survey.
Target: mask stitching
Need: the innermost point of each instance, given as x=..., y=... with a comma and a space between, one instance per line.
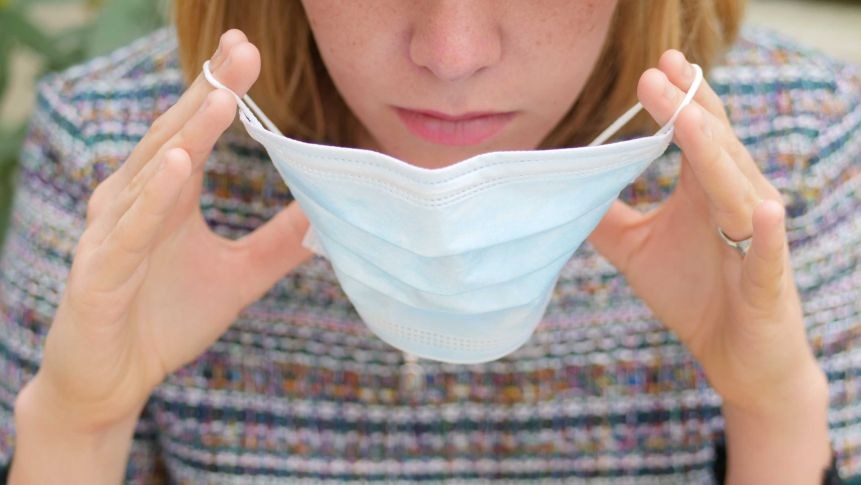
x=629, y=152
x=250, y=119
x=477, y=343
x=436, y=202
x=472, y=341
x=450, y=199
x=446, y=342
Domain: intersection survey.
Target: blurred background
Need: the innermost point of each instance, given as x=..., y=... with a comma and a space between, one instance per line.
x=38, y=36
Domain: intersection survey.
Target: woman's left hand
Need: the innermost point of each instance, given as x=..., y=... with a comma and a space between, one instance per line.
x=739, y=316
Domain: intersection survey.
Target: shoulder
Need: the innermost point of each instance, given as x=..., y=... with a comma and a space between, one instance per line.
x=767, y=75
x=798, y=111
x=125, y=83
x=773, y=85
x=90, y=116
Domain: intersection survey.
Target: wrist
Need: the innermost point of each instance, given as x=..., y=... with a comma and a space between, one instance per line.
x=804, y=386
x=53, y=446
x=41, y=402
x=780, y=437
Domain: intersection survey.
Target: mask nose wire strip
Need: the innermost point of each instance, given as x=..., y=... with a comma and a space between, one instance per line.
x=246, y=105
x=625, y=118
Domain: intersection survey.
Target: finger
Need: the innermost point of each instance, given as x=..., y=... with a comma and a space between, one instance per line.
x=764, y=267
x=702, y=138
x=680, y=73
x=199, y=134
x=617, y=235
x=660, y=97
x=199, y=138
x=196, y=139
x=128, y=245
x=170, y=122
x=271, y=251
x=731, y=195
x=231, y=64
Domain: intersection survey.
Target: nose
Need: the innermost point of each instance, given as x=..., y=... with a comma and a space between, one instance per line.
x=455, y=39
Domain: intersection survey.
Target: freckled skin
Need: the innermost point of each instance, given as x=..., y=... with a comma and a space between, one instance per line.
x=454, y=57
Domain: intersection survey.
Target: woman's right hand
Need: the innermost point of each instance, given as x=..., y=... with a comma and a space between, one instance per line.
x=151, y=286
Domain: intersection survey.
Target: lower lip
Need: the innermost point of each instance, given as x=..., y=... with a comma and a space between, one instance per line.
x=470, y=131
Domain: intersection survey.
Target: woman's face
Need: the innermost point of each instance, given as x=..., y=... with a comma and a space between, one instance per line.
x=437, y=81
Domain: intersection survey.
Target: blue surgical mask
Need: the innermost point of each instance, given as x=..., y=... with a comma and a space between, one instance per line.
x=455, y=264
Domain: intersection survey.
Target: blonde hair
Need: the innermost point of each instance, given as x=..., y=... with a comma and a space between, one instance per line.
x=294, y=79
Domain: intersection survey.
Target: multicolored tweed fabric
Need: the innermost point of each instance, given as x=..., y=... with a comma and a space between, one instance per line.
x=298, y=390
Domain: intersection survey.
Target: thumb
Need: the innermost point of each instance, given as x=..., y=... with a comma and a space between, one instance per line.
x=765, y=266
x=270, y=252
x=615, y=236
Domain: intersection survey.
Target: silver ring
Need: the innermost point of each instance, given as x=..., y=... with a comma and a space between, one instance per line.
x=741, y=246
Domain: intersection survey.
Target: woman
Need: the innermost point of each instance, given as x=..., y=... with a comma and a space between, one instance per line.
x=195, y=342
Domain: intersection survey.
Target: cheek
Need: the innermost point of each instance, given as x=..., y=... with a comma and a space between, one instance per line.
x=572, y=43
x=557, y=56
x=334, y=33
x=357, y=42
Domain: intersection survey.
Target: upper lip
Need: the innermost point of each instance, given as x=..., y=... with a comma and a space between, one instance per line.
x=459, y=117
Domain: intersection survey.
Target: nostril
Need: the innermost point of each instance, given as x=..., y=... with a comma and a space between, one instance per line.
x=455, y=47
x=450, y=65
x=451, y=70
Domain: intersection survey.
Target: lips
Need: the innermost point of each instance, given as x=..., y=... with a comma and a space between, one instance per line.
x=460, y=130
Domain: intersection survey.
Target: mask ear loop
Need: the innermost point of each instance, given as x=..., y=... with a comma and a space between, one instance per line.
x=628, y=115
x=252, y=113
x=247, y=107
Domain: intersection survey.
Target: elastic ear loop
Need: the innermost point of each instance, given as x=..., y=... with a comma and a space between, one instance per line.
x=247, y=107
x=625, y=118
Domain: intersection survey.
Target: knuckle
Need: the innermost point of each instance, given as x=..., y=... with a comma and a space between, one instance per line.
x=751, y=199
x=198, y=148
x=96, y=203
x=92, y=304
x=766, y=288
x=82, y=294
x=149, y=212
x=720, y=110
x=123, y=241
x=715, y=102
x=219, y=97
x=133, y=188
x=102, y=197
x=194, y=146
x=721, y=129
x=179, y=139
x=88, y=245
x=772, y=193
x=691, y=117
x=160, y=127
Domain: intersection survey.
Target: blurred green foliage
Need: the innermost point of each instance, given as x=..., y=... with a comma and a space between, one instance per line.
x=107, y=25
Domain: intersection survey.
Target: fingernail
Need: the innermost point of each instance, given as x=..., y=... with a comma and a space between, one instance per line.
x=689, y=70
